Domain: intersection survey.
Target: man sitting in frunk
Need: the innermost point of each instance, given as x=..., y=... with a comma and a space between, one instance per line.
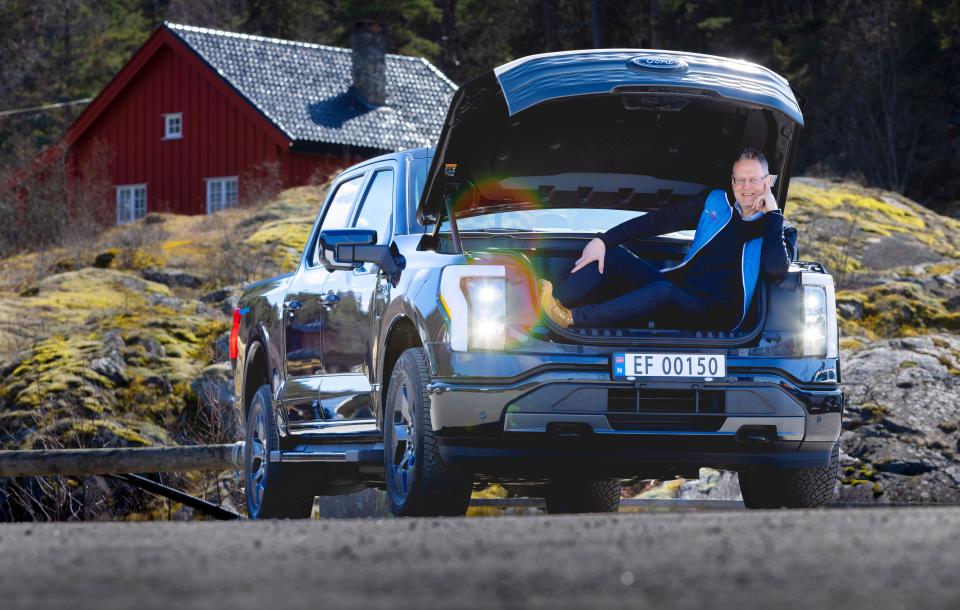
x=713, y=285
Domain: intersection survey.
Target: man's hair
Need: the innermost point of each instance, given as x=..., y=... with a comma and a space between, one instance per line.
x=753, y=154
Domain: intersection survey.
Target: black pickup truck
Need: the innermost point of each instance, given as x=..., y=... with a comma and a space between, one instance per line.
x=408, y=351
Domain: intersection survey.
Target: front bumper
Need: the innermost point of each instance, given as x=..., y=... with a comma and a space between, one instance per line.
x=568, y=417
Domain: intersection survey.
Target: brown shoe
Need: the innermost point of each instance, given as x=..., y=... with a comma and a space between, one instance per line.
x=558, y=314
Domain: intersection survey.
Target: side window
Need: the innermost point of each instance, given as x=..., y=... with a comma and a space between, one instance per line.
x=338, y=212
x=376, y=211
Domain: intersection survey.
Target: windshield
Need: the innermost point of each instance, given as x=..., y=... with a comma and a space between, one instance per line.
x=559, y=220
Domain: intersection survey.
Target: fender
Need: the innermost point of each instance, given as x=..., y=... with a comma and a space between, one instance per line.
x=259, y=340
x=398, y=311
x=253, y=348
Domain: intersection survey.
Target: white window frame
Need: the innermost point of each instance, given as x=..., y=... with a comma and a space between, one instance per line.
x=128, y=209
x=168, y=122
x=218, y=190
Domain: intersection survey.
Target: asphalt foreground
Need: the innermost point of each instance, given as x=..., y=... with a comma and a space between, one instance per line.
x=840, y=558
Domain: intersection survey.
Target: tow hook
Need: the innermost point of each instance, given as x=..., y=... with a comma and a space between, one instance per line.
x=756, y=434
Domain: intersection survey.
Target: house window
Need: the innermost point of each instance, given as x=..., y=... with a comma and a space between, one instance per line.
x=222, y=193
x=131, y=203
x=173, y=126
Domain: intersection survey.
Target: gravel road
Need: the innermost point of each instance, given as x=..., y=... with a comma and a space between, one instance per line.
x=844, y=558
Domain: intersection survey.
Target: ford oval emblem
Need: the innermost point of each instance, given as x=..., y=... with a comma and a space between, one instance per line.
x=658, y=63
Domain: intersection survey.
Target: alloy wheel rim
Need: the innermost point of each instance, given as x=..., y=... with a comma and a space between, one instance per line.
x=258, y=459
x=404, y=443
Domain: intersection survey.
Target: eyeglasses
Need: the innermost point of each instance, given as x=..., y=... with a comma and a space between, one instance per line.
x=751, y=181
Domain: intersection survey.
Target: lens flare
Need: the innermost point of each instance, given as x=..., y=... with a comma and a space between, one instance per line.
x=490, y=193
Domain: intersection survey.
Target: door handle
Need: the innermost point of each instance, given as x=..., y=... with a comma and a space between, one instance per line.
x=331, y=299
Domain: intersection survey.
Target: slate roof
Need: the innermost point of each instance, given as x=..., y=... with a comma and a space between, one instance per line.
x=305, y=89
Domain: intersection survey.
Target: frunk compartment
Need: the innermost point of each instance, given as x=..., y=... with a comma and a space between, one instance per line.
x=552, y=258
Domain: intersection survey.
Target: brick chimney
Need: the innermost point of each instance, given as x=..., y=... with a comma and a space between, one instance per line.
x=368, y=41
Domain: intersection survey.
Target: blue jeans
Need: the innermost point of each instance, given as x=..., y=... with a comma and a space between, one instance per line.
x=646, y=295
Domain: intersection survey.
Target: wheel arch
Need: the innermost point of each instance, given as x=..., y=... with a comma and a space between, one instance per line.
x=256, y=372
x=401, y=335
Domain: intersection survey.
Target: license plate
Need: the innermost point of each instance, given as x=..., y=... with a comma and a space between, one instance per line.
x=700, y=366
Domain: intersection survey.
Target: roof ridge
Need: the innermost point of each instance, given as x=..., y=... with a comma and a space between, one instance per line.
x=312, y=45
x=438, y=72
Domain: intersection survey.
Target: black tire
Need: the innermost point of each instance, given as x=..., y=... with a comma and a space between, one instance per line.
x=793, y=488
x=271, y=491
x=419, y=482
x=583, y=496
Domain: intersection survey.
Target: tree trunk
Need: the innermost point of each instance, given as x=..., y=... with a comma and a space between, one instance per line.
x=655, y=24
x=596, y=29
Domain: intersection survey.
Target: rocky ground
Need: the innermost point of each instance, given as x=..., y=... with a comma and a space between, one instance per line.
x=901, y=428
x=900, y=438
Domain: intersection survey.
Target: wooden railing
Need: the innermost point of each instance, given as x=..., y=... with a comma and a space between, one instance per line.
x=121, y=460
x=122, y=463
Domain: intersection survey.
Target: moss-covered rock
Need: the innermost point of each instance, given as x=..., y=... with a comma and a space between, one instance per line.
x=852, y=229
x=895, y=309
x=94, y=354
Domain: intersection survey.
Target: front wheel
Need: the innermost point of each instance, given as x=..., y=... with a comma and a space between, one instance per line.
x=794, y=488
x=271, y=492
x=583, y=496
x=419, y=482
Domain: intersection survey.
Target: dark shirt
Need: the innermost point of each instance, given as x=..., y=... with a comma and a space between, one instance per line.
x=714, y=273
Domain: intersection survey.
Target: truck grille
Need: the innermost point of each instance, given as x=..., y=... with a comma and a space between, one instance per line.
x=653, y=423
x=657, y=402
x=635, y=333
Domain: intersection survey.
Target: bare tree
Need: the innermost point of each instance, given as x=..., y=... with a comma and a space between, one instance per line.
x=883, y=109
x=52, y=198
x=261, y=183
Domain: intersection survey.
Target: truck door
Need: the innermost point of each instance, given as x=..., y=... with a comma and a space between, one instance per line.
x=303, y=311
x=354, y=300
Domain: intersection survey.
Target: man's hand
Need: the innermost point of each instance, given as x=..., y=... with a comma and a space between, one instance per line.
x=767, y=202
x=595, y=250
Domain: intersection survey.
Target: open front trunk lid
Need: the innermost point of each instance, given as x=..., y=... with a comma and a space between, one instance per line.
x=627, y=129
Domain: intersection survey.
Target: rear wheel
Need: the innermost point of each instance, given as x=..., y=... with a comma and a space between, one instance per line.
x=271, y=491
x=583, y=496
x=793, y=488
x=419, y=482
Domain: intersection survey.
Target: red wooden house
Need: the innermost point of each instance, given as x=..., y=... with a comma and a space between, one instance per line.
x=196, y=113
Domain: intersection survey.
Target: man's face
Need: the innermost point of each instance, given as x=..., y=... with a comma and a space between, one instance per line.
x=749, y=182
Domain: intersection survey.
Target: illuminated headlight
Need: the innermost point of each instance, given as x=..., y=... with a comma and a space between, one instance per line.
x=474, y=298
x=487, y=311
x=815, y=321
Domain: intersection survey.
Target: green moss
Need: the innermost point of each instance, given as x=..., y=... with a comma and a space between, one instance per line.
x=948, y=427
x=897, y=309
x=849, y=343
x=862, y=476
x=842, y=202
x=943, y=268
x=948, y=321
x=838, y=222
x=874, y=412
x=286, y=239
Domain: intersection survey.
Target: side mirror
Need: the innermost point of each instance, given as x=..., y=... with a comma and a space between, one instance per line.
x=331, y=240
